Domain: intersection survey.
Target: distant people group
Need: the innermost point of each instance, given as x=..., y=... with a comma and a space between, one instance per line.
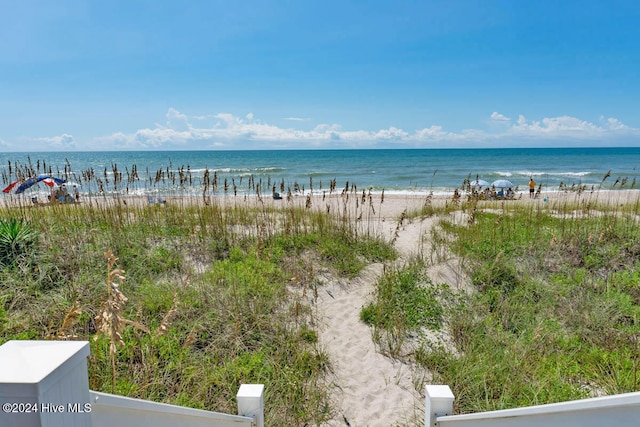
x=61, y=195
x=491, y=193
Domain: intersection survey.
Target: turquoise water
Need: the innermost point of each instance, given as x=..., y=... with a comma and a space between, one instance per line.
x=395, y=171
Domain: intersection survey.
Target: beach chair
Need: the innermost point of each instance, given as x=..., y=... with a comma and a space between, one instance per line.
x=161, y=200
x=34, y=200
x=151, y=200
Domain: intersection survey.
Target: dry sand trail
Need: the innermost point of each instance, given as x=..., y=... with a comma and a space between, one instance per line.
x=371, y=389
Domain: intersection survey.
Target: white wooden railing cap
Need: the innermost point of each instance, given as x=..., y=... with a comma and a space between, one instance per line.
x=250, y=390
x=439, y=391
x=35, y=364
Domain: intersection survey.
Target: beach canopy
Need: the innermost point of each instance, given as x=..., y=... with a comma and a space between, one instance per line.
x=480, y=183
x=21, y=185
x=502, y=183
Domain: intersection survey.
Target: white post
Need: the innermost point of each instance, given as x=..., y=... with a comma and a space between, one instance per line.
x=44, y=384
x=438, y=402
x=251, y=402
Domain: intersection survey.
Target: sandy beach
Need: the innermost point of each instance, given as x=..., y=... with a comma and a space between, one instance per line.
x=368, y=388
x=371, y=389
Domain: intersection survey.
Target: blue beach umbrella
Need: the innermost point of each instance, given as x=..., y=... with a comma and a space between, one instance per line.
x=21, y=185
x=502, y=183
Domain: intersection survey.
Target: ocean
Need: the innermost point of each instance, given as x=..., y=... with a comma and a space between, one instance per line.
x=401, y=171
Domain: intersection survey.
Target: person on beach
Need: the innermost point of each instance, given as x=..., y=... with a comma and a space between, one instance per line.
x=76, y=192
x=510, y=193
x=532, y=187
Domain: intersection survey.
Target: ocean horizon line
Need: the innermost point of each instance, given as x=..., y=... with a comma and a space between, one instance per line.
x=285, y=149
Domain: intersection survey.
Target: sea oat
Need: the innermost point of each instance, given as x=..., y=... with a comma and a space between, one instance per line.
x=166, y=320
x=110, y=320
x=70, y=320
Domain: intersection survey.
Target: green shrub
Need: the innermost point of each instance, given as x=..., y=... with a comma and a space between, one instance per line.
x=17, y=241
x=405, y=300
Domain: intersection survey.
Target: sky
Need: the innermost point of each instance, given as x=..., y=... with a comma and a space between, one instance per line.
x=84, y=75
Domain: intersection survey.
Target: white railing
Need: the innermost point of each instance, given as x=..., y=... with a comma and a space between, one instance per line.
x=618, y=410
x=108, y=410
x=45, y=383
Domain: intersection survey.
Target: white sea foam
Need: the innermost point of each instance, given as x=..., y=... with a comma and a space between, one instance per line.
x=270, y=168
x=530, y=173
x=576, y=174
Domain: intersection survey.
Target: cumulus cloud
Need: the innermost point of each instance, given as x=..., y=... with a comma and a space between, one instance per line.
x=558, y=127
x=615, y=124
x=499, y=117
x=177, y=120
x=229, y=127
x=61, y=142
x=229, y=131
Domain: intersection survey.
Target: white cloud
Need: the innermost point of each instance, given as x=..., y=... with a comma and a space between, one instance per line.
x=177, y=120
x=230, y=128
x=615, y=124
x=499, y=117
x=225, y=130
x=61, y=142
x=295, y=119
x=392, y=133
x=561, y=127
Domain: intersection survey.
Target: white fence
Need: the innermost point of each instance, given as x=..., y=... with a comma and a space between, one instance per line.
x=618, y=410
x=45, y=384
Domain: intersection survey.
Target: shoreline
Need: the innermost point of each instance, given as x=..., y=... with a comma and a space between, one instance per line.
x=25, y=198
x=373, y=206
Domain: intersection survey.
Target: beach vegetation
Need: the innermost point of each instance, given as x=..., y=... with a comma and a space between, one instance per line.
x=556, y=315
x=404, y=304
x=196, y=299
x=18, y=241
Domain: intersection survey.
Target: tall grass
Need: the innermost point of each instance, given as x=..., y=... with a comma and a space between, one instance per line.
x=221, y=289
x=557, y=312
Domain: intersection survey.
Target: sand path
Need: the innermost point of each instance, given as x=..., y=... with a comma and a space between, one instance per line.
x=370, y=389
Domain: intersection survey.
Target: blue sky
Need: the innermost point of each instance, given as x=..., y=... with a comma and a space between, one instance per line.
x=177, y=75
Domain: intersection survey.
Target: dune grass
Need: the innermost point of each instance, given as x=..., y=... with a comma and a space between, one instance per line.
x=555, y=311
x=182, y=304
